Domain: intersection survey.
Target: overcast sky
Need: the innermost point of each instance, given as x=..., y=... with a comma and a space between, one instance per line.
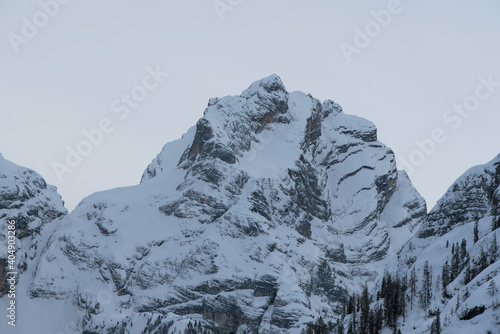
x=68, y=75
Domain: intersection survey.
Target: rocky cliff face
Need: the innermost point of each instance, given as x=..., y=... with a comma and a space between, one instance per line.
x=473, y=196
x=26, y=198
x=261, y=218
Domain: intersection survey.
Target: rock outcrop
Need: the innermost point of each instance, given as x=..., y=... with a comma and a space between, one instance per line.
x=26, y=199
x=471, y=197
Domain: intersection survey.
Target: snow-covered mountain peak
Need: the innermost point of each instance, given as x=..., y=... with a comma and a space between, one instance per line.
x=258, y=219
x=266, y=216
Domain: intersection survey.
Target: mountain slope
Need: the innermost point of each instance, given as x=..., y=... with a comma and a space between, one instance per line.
x=261, y=218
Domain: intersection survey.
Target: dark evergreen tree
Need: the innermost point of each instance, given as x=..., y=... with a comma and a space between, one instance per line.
x=463, y=254
x=330, y=326
x=190, y=329
x=455, y=262
x=436, y=324
x=379, y=320
x=351, y=304
x=353, y=318
x=372, y=327
x=413, y=286
x=483, y=261
x=495, y=223
x=426, y=291
x=320, y=327
x=394, y=302
x=467, y=274
x=340, y=326
x=365, y=312
x=445, y=278
x=493, y=251
x=445, y=273
x=476, y=231
x=380, y=293
x=403, y=297
x=387, y=299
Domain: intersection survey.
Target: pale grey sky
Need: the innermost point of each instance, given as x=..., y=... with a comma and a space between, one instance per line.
x=71, y=71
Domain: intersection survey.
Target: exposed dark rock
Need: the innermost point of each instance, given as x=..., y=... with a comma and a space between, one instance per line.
x=308, y=190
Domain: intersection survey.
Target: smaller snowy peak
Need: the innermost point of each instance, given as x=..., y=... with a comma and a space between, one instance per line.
x=26, y=199
x=25, y=196
x=473, y=196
